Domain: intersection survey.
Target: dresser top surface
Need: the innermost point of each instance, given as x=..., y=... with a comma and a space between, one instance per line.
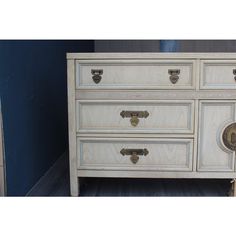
x=142, y=55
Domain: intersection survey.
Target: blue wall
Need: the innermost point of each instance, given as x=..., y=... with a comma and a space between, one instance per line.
x=34, y=105
x=169, y=46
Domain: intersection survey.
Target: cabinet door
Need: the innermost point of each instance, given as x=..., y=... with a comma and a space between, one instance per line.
x=212, y=154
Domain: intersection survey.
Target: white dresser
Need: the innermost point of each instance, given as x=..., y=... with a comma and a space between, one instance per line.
x=151, y=115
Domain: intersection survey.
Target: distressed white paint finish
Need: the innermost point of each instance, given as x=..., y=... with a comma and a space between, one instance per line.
x=164, y=154
x=183, y=131
x=164, y=116
x=214, y=115
x=74, y=184
x=218, y=74
x=135, y=74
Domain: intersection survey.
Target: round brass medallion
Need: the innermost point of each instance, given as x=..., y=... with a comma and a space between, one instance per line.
x=229, y=136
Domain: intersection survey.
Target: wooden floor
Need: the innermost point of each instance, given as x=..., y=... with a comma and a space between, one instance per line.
x=154, y=187
x=143, y=187
x=56, y=183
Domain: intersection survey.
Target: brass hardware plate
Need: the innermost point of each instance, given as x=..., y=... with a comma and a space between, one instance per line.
x=234, y=72
x=174, y=75
x=134, y=153
x=139, y=114
x=97, y=75
x=229, y=136
x=134, y=115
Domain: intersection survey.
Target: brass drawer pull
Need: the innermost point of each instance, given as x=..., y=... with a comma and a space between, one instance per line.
x=134, y=116
x=234, y=72
x=229, y=136
x=174, y=75
x=134, y=154
x=97, y=75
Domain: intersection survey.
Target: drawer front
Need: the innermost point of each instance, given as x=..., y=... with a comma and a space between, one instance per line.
x=176, y=74
x=218, y=74
x=135, y=116
x=135, y=154
x=212, y=154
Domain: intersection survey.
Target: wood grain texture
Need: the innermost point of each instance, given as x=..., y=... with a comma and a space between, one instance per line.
x=164, y=116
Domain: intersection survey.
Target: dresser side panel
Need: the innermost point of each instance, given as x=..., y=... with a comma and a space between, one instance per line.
x=72, y=127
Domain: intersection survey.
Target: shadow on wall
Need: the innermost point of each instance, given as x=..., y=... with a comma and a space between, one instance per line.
x=33, y=91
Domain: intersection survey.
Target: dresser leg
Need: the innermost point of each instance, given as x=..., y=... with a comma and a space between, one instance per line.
x=74, y=188
x=232, y=191
x=78, y=187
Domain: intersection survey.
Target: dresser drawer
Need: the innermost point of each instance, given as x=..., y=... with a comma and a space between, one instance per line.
x=135, y=116
x=128, y=154
x=218, y=74
x=135, y=74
